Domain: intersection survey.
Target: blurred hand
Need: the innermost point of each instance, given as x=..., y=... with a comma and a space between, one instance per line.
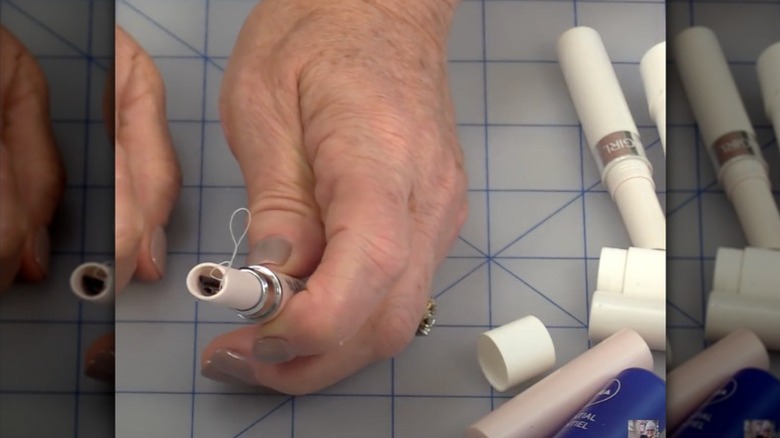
x=148, y=177
x=340, y=116
x=32, y=177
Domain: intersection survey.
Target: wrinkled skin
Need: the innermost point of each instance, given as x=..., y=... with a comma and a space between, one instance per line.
x=32, y=177
x=340, y=116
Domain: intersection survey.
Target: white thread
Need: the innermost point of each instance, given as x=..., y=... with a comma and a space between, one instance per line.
x=236, y=243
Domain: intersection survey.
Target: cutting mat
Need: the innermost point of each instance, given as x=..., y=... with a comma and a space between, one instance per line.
x=44, y=329
x=539, y=217
x=700, y=218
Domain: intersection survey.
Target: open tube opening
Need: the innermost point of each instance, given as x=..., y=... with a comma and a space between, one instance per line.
x=205, y=280
x=92, y=281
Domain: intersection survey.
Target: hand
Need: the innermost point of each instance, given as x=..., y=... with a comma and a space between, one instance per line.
x=148, y=177
x=340, y=117
x=32, y=177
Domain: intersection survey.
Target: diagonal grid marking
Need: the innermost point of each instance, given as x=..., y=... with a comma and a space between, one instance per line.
x=537, y=291
x=52, y=32
x=466, y=275
x=266, y=415
x=684, y=313
x=547, y=218
x=171, y=34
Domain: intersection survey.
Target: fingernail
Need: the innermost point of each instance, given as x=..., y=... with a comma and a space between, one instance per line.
x=101, y=366
x=273, y=350
x=43, y=249
x=159, y=249
x=271, y=250
x=228, y=367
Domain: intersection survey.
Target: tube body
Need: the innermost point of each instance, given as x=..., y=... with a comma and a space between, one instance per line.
x=612, y=135
x=728, y=134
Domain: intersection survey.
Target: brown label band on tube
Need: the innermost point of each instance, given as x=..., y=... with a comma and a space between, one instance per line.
x=731, y=145
x=617, y=145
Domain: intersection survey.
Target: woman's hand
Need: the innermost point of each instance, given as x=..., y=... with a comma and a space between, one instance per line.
x=32, y=177
x=340, y=116
x=148, y=177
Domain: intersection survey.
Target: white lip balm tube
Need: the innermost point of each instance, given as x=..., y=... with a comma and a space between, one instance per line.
x=630, y=292
x=612, y=135
x=727, y=134
x=544, y=408
x=768, y=66
x=746, y=294
x=93, y=282
x=255, y=292
x=653, y=70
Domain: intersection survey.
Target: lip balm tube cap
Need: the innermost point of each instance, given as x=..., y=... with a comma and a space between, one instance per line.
x=727, y=312
x=93, y=282
x=612, y=270
x=236, y=289
x=653, y=70
x=515, y=352
x=612, y=312
x=645, y=274
x=692, y=382
x=761, y=274
x=728, y=269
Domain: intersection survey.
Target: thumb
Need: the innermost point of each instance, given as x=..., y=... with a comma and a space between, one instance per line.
x=285, y=228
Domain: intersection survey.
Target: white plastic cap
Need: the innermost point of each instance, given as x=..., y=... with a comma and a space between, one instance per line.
x=612, y=269
x=728, y=269
x=768, y=66
x=515, y=352
x=93, y=282
x=653, y=70
x=593, y=85
x=612, y=312
x=231, y=287
x=761, y=274
x=630, y=183
x=708, y=83
x=747, y=185
x=637, y=272
x=727, y=312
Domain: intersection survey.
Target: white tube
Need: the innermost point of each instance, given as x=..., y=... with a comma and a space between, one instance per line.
x=515, y=352
x=653, y=70
x=612, y=135
x=727, y=312
x=611, y=312
x=93, y=282
x=255, y=292
x=768, y=67
x=727, y=134
x=746, y=294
